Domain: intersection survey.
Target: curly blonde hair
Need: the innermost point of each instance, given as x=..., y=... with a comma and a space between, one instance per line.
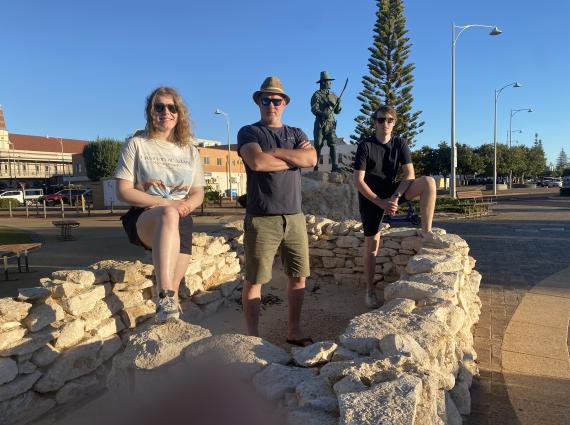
x=182, y=133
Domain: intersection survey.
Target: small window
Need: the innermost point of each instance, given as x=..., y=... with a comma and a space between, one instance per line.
x=218, y=161
x=206, y=160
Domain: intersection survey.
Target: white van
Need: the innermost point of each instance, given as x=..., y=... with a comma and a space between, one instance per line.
x=28, y=196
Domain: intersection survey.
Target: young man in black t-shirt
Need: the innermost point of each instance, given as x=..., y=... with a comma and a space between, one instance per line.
x=274, y=154
x=376, y=165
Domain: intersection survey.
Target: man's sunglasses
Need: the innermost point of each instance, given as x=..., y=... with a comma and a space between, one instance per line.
x=265, y=101
x=382, y=120
x=159, y=108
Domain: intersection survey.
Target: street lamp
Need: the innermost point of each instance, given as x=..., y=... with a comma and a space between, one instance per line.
x=513, y=113
x=10, y=163
x=497, y=93
x=227, y=117
x=62, y=160
x=454, y=38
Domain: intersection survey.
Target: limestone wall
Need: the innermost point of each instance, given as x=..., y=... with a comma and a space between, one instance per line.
x=57, y=340
x=410, y=361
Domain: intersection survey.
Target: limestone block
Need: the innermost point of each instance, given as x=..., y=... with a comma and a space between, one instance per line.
x=349, y=384
x=26, y=368
x=319, y=352
x=342, y=354
x=403, y=345
x=24, y=408
x=200, y=239
x=348, y=242
x=110, y=346
x=217, y=247
x=86, y=300
x=307, y=416
x=128, y=298
x=13, y=311
x=333, y=262
x=425, y=263
x=394, y=402
x=388, y=268
x=63, y=289
x=206, y=297
x=246, y=355
x=141, y=284
x=399, y=233
x=38, y=293
x=8, y=370
x=276, y=379
x=194, y=267
x=28, y=344
x=45, y=355
x=10, y=337
x=386, y=252
x=109, y=327
x=334, y=371
x=126, y=272
x=103, y=309
x=425, y=285
x=413, y=243
x=320, y=252
x=134, y=315
x=83, y=277
x=41, y=315
x=18, y=386
x=207, y=272
x=380, y=260
x=401, y=260
x=191, y=284
x=155, y=345
x=342, y=251
x=78, y=389
x=77, y=361
x=324, y=244
x=391, y=243
x=316, y=393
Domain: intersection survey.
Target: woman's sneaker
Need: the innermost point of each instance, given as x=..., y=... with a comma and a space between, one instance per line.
x=167, y=307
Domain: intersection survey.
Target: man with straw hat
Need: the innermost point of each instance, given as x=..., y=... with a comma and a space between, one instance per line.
x=324, y=105
x=274, y=154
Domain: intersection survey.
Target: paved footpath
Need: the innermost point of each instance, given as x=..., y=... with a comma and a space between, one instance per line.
x=523, y=253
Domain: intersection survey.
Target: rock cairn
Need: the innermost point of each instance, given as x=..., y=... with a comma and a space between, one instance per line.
x=57, y=339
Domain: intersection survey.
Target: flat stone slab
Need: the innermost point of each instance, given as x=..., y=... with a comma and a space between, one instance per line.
x=275, y=380
x=319, y=352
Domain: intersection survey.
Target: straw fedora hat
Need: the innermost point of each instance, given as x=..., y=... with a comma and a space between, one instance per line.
x=325, y=77
x=271, y=85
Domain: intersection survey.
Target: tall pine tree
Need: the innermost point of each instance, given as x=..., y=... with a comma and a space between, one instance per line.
x=562, y=161
x=390, y=75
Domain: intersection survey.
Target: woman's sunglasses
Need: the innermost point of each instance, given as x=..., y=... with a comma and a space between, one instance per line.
x=159, y=108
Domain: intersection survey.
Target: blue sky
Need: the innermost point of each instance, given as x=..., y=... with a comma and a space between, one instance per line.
x=83, y=69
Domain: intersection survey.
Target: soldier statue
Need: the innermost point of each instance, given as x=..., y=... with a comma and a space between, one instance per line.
x=324, y=105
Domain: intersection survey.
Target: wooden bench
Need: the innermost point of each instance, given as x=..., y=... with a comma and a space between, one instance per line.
x=19, y=250
x=66, y=226
x=475, y=203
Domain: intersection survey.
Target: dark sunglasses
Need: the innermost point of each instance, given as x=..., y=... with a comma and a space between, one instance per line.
x=382, y=120
x=265, y=101
x=159, y=108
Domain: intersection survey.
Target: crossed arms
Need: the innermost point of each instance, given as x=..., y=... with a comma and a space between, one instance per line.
x=278, y=159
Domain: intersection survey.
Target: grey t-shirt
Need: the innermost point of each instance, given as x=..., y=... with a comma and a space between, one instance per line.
x=275, y=192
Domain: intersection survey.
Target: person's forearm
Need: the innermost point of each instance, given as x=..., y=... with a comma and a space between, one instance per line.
x=297, y=157
x=365, y=190
x=405, y=185
x=195, y=198
x=138, y=198
x=266, y=162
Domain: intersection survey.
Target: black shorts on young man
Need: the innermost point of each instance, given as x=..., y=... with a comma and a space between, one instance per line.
x=371, y=214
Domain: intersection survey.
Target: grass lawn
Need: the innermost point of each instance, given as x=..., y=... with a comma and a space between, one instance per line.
x=9, y=235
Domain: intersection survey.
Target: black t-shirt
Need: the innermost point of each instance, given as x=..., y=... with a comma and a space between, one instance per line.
x=274, y=192
x=381, y=161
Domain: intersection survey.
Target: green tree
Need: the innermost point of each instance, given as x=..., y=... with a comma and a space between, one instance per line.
x=468, y=162
x=536, y=159
x=101, y=157
x=562, y=161
x=390, y=75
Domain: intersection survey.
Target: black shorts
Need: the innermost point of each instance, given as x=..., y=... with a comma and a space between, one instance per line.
x=371, y=214
x=184, y=227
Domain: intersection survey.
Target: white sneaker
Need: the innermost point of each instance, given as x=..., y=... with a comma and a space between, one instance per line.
x=167, y=307
x=371, y=300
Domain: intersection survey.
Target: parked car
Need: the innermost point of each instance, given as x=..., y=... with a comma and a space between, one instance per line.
x=557, y=182
x=546, y=181
x=68, y=196
x=26, y=196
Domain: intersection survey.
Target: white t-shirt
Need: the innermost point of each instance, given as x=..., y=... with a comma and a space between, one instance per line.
x=160, y=168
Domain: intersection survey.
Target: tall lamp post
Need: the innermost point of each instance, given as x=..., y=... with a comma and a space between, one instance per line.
x=513, y=113
x=62, y=160
x=454, y=38
x=497, y=93
x=10, y=163
x=227, y=117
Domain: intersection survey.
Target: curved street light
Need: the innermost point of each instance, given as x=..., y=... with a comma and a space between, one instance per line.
x=497, y=93
x=494, y=31
x=227, y=117
x=513, y=113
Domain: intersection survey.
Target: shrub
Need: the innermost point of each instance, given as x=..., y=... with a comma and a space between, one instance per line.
x=212, y=197
x=5, y=203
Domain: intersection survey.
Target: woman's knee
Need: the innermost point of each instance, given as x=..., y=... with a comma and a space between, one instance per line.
x=429, y=183
x=169, y=215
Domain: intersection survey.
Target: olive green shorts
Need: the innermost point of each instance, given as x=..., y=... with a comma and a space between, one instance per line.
x=264, y=235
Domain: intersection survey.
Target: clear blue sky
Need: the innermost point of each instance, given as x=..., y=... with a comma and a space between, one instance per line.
x=82, y=69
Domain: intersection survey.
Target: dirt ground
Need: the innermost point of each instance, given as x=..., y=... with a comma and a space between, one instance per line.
x=327, y=309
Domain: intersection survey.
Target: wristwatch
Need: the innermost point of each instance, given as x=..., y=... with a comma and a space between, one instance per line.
x=397, y=195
